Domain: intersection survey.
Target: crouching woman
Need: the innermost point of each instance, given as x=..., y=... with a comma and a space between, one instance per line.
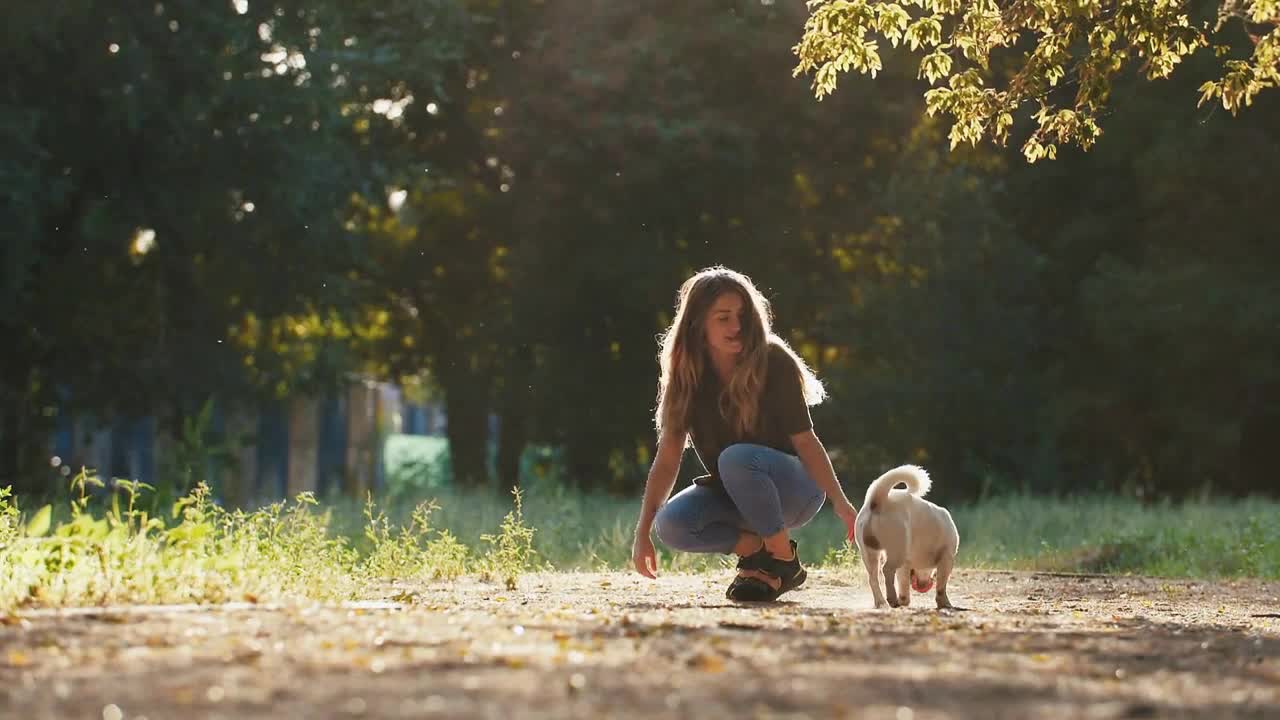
x=740, y=395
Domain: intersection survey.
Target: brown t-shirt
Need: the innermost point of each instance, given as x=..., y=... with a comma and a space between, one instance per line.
x=783, y=413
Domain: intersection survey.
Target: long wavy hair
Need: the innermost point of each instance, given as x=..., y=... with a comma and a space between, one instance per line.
x=685, y=356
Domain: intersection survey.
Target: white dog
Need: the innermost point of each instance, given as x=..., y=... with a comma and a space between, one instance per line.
x=915, y=539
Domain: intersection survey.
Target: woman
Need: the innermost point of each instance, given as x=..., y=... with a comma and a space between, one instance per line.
x=742, y=396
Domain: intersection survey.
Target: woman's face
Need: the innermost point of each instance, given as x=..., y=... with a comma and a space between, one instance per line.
x=724, y=324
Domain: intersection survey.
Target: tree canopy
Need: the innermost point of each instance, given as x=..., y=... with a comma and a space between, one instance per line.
x=493, y=202
x=1057, y=60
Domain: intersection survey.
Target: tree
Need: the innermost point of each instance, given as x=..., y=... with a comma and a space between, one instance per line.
x=651, y=144
x=1057, y=57
x=184, y=178
x=436, y=215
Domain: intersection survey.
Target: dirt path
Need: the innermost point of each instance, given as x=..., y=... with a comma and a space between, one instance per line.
x=615, y=645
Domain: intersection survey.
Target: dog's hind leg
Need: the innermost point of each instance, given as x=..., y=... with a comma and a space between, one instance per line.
x=893, y=563
x=871, y=560
x=945, y=565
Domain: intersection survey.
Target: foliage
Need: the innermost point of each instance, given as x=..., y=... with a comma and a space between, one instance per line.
x=192, y=142
x=493, y=202
x=117, y=552
x=1057, y=57
x=123, y=554
x=510, y=550
x=411, y=552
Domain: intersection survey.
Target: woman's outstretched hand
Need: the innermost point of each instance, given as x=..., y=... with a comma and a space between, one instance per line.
x=849, y=515
x=644, y=557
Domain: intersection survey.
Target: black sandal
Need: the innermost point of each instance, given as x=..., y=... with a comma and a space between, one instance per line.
x=752, y=589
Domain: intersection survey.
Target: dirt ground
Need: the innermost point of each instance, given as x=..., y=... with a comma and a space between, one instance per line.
x=620, y=646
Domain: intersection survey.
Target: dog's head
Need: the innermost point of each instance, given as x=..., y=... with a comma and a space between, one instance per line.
x=922, y=583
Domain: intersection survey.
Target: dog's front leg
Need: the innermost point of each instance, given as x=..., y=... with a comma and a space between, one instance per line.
x=904, y=583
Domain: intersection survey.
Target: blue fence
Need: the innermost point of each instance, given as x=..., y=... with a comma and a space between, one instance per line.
x=346, y=440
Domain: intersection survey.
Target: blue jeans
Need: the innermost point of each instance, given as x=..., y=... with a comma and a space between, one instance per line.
x=765, y=491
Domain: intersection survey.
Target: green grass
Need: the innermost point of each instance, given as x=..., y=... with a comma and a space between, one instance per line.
x=1204, y=538
x=118, y=546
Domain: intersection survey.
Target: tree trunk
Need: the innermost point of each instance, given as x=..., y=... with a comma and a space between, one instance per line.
x=587, y=457
x=513, y=431
x=466, y=396
x=21, y=446
x=1259, y=430
x=10, y=444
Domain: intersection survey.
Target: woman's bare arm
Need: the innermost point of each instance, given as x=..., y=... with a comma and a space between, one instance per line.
x=816, y=461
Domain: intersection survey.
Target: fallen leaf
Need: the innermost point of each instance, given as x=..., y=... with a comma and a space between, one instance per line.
x=707, y=662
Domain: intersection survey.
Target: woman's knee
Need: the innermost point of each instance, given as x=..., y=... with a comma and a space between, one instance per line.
x=736, y=459
x=798, y=511
x=671, y=527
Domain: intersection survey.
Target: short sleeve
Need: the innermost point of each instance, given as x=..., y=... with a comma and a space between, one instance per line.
x=786, y=393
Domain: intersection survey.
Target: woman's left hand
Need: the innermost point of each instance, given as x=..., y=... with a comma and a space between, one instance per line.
x=847, y=513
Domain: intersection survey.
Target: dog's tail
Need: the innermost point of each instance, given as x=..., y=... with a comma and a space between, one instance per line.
x=915, y=478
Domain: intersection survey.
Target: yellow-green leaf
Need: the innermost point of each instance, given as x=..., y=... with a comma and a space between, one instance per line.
x=39, y=524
